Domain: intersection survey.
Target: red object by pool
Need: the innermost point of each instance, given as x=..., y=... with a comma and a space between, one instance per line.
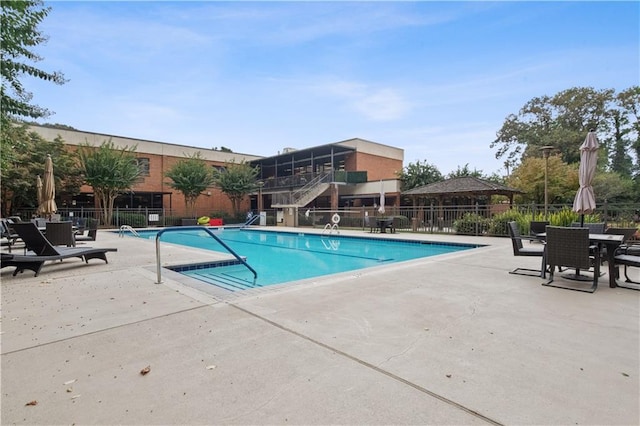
x=215, y=222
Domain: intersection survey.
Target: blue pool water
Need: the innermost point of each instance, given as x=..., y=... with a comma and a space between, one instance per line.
x=279, y=257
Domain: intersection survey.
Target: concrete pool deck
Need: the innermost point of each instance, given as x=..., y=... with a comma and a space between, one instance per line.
x=452, y=339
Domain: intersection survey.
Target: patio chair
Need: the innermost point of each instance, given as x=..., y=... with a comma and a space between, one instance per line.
x=594, y=228
x=536, y=228
x=570, y=247
x=41, y=250
x=60, y=233
x=370, y=223
x=520, y=250
x=92, y=231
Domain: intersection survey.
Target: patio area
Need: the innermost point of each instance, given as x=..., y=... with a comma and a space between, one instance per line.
x=452, y=339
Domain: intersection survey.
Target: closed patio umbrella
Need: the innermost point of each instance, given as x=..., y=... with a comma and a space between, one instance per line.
x=48, y=205
x=585, y=201
x=39, y=192
x=382, y=201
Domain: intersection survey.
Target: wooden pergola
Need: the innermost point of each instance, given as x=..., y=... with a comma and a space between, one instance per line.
x=468, y=187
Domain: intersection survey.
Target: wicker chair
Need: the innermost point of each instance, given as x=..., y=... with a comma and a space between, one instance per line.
x=520, y=250
x=60, y=233
x=570, y=247
x=92, y=231
x=594, y=228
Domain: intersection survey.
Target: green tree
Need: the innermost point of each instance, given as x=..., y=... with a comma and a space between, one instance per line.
x=109, y=171
x=236, y=180
x=562, y=121
x=629, y=102
x=465, y=172
x=419, y=174
x=19, y=22
x=612, y=186
x=190, y=176
x=23, y=154
x=562, y=180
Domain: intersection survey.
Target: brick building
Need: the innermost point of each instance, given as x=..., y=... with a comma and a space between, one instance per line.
x=347, y=173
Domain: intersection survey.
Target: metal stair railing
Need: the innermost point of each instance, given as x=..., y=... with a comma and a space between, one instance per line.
x=310, y=186
x=208, y=231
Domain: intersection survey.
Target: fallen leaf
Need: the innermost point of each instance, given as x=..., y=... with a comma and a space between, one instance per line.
x=145, y=370
x=210, y=367
x=34, y=402
x=448, y=375
x=76, y=396
x=68, y=382
x=69, y=390
x=625, y=374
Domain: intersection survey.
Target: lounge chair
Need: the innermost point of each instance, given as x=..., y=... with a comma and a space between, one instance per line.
x=520, y=250
x=570, y=247
x=41, y=250
x=7, y=232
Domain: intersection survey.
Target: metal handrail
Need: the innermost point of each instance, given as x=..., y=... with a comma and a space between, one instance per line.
x=127, y=228
x=251, y=220
x=208, y=231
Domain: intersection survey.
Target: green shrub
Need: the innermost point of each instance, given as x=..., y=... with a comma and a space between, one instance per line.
x=471, y=223
x=135, y=220
x=498, y=224
x=566, y=217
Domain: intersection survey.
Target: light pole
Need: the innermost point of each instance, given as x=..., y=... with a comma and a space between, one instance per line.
x=546, y=150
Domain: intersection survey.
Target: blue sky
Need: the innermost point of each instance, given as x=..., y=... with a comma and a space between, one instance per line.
x=437, y=79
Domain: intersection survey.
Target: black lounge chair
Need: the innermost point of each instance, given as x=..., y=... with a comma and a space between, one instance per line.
x=42, y=251
x=8, y=233
x=570, y=247
x=520, y=250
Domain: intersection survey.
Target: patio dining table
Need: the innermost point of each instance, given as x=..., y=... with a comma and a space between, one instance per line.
x=610, y=242
x=384, y=223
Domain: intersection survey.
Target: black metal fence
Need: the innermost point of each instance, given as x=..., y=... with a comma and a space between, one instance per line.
x=466, y=219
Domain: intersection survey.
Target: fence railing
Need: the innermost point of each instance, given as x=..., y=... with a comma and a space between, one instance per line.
x=467, y=219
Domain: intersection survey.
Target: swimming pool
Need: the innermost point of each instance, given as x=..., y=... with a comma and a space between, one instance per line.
x=280, y=257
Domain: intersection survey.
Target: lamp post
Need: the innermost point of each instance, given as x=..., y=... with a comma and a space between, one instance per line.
x=546, y=150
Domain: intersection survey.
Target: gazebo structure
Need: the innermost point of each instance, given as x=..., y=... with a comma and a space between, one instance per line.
x=467, y=187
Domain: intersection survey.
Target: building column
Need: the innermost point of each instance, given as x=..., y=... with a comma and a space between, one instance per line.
x=334, y=196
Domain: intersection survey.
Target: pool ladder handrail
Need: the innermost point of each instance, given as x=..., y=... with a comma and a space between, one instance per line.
x=127, y=228
x=251, y=220
x=208, y=231
x=331, y=227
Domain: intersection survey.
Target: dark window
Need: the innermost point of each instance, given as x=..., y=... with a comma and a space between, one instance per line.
x=143, y=165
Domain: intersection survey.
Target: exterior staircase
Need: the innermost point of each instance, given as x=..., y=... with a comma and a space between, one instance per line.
x=303, y=196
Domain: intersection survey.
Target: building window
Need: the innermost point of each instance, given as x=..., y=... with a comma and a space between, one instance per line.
x=220, y=169
x=143, y=165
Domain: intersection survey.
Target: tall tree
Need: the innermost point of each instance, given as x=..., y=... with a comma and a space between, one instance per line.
x=19, y=22
x=465, y=172
x=109, y=171
x=562, y=121
x=629, y=102
x=236, y=180
x=418, y=174
x=23, y=155
x=190, y=176
x=562, y=180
